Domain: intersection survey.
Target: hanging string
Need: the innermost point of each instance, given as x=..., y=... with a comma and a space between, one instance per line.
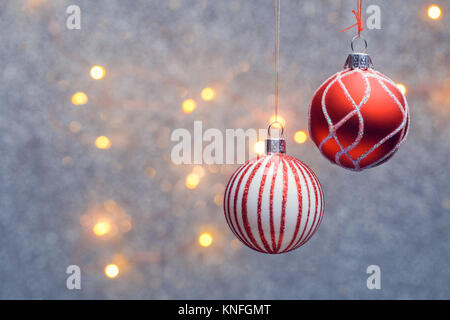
x=277, y=53
x=359, y=20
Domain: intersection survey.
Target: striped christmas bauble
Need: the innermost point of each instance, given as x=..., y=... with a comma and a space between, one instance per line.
x=274, y=203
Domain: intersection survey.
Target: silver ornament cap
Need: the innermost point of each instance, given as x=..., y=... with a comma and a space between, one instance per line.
x=275, y=145
x=358, y=60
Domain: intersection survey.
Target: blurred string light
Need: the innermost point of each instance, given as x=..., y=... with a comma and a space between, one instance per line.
x=125, y=225
x=103, y=142
x=300, y=137
x=101, y=228
x=189, y=105
x=151, y=172
x=208, y=94
x=97, y=72
x=67, y=161
x=213, y=168
x=79, y=98
x=74, y=127
x=279, y=119
x=110, y=205
x=165, y=185
x=205, y=239
x=198, y=170
x=434, y=12
x=218, y=199
x=402, y=88
x=259, y=147
x=192, y=180
x=112, y=270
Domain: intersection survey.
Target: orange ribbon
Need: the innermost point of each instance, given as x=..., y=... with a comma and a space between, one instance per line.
x=359, y=21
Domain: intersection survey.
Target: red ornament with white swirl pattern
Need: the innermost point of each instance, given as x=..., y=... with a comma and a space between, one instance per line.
x=358, y=118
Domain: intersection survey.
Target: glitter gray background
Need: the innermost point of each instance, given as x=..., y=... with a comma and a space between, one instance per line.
x=158, y=53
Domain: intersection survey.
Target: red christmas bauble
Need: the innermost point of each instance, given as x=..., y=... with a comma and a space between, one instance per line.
x=273, y=204
x=358, y=118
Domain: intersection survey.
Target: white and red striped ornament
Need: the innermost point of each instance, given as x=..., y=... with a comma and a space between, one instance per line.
x=274, y=203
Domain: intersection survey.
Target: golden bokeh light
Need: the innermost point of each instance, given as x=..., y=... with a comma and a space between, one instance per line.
x=79, y=98
x=111, y=270
x=165, y=185
x=300, y=136
x=67, y=161
x=434, y=12
x=192, y=180
x=205, y=239
x=402, y=88
x=74, y=127
x=125, y=225
x=218, y=199
x=199, y=171
x=259, y=147
x=213, y=168
x=151, y=172
x=208, y=94
x=103, y=142
x=101, y=228
x=279, y=119
x=111, y=206
x=189, y=105
x=97, y=72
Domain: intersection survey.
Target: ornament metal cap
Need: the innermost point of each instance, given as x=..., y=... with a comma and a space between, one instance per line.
x=275, y=145
x=359, y=60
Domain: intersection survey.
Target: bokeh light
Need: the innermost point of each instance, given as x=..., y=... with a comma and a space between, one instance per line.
x=67, y=161
x=402, y=88
x=101, y=228
x=279, y=119
x=218, y=199
x=103, y=142
x=112, y=270
x=259, y=147
x=192, y=180
x=198, y=170
x=205, y=239
x=189, y=105
x=151, y=172
x=79, y=98
x=300, y=136
x=434, y=12
x=125, y=225
x=97, y=72
x=208, y=94
x=74, y=126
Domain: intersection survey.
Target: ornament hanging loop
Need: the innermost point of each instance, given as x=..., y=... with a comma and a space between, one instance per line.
x=275, y=145
x=275, y=125
x=355, y=38
x=360, y=59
